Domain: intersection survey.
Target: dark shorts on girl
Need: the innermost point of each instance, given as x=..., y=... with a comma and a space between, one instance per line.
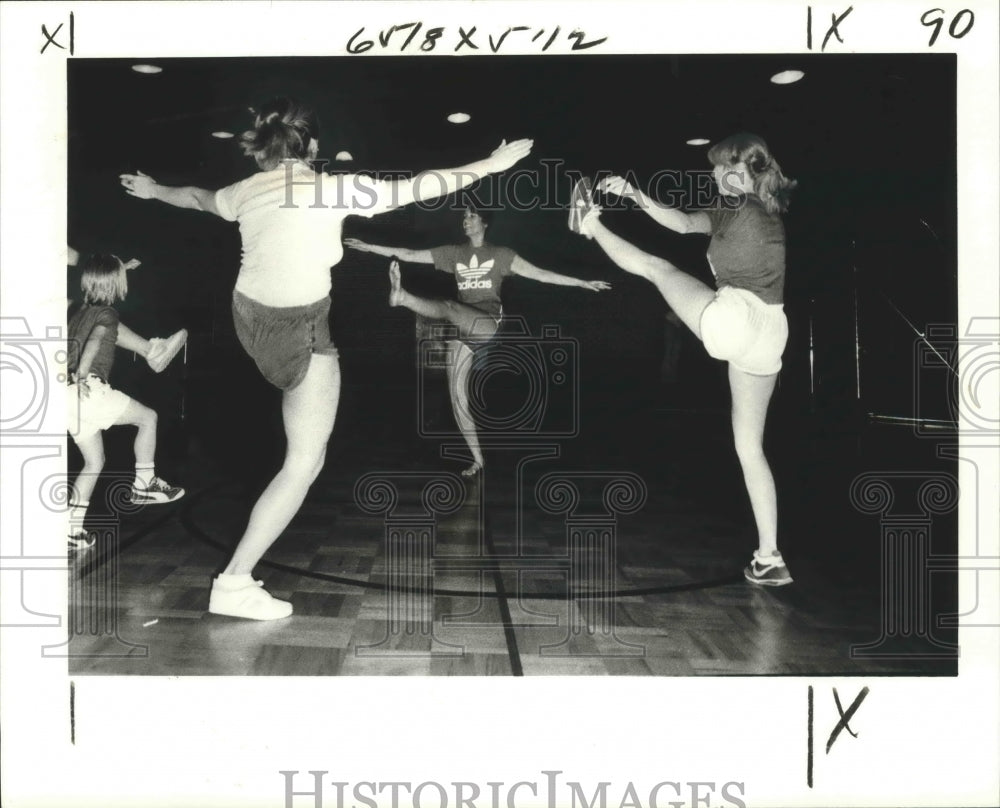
x=281, y=340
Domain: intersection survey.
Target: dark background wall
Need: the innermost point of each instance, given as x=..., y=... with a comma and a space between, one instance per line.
x=871, y=231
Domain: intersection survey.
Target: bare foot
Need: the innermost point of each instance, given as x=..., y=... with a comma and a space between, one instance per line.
x=472, y=471
x=395, y=286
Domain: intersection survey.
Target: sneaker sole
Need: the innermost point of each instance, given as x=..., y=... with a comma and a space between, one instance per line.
x=233, y=613
x=143, y=501
x=766, y=581
x=580, y=203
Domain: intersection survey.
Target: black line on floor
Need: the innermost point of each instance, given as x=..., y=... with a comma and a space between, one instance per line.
x=85, y=561
x=513, y=654
x=187, y=521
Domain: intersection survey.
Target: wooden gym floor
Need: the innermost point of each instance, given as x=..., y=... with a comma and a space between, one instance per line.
x=558, y=561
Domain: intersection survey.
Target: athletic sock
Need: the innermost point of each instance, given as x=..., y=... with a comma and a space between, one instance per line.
x=234, y=581
x=144, y=476
x=77, y=515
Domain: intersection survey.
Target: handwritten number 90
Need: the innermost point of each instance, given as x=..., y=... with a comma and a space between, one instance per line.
x=964, y=20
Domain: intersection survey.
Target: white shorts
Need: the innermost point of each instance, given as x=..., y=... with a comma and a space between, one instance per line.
x=740, y=328
x=88, y=415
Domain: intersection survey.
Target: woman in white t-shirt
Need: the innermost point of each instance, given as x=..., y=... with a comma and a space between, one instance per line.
x=290, y=220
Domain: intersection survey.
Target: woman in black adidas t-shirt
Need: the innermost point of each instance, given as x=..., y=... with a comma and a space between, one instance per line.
x=479, y=269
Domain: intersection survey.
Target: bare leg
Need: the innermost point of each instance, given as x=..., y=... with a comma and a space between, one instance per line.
x=309, y=411
x=470, y=321
x=751, y=397
x=686, y=295
x=130, y=341
x=136, y=414
x=459, y=369
x=92, y=449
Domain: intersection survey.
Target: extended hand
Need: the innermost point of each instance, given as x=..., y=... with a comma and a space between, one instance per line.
x=596, y=286
x=616, y=186
x=135, y=262
x=506, y=154
x=139, y=184
x=355, y=244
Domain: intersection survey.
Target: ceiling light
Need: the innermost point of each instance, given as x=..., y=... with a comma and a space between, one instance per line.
x=698, y=141
x=787, y=77
x=459, y=117
x=222, y=135
x=344, y=156
x=147, y=69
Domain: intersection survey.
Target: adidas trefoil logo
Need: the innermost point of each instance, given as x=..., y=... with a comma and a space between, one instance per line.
x=472, y=273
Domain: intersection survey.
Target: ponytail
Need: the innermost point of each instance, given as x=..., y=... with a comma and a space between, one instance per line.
x=283, y=129
x=769, y=183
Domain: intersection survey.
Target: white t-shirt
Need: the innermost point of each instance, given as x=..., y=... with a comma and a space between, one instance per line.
x=290, y=223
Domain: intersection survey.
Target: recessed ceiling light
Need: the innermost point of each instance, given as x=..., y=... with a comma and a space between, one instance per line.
x=222, y=135
x=459, y=117
x=344, y=156
x=698, y=141
x=147, y=69
x=787, y=77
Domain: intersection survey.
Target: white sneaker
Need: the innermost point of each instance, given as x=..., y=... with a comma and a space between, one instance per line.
x=156, y=493
x=162, y=351
x=767, y=570
x=81, y=540
x=250, y=601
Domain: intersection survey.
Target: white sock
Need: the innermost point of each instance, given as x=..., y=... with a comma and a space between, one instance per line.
x=77, y=514
x=234, y=581
x=144, y=476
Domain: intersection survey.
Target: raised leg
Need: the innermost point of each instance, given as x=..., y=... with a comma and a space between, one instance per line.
x=470, y=321
x=130, y=341
x=686, y=295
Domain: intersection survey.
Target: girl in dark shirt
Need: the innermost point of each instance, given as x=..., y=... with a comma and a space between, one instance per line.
x=93, y=405
x=743, y=322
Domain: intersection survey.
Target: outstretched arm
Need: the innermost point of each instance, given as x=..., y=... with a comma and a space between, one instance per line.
x=402, y=253
x=672, y=218
x=428, y=185
x=190, y=197
x=73, y=258
x=521, y=267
